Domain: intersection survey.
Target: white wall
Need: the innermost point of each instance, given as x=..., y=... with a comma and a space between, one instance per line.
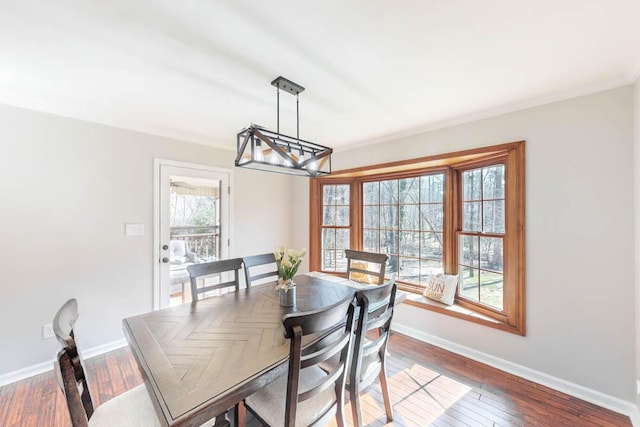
x=579, y=238
x=66, y=189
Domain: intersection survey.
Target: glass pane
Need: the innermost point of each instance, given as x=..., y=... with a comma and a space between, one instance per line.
x=431, y=245
x=329, y=195
x=468, y=248
x=341, y=261
x=371, y=191
x=389, y=217
x=328, y=238
x=491, y=255
x=342, y=239
x=491, y=289
x=471, y=216
x=371, y=240
x=431, y=217
x=409, y=270
x=494, y=216
x=389, y=242
x=371, y=217
x=328, y=260
x=429, y=267
x=493, y=182
x=409, y=217
x=329, y=215
x=468, y=282
x=392, y=265
x=409, y=190
x=471, y=185
x=410, y=244
x=389, y=192
x=432, y=188
x=342, y=215
x=342, y=194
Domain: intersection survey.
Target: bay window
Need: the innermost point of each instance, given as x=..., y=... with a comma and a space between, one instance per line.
x=458, y=213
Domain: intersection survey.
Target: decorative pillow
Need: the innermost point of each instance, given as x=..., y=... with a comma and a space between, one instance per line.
x=442, y=288
x=361, y=277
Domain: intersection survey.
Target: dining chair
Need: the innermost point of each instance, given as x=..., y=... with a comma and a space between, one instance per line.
x=132, y=408
x=255, y=266
x=308, y=395
x=366, y=267
x=368, y=361
x=206, y=269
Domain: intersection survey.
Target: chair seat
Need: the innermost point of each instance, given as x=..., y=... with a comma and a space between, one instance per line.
x=130, y=409
x=269, y=402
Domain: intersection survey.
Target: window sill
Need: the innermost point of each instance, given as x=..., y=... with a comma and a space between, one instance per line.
x=457, y=311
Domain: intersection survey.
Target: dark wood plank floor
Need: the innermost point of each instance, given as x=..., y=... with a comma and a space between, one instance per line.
x=429, y=386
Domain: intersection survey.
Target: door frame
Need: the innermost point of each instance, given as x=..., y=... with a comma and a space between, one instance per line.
x=157, y=164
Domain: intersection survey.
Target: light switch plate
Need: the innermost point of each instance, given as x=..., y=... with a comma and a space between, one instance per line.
x=134, y=229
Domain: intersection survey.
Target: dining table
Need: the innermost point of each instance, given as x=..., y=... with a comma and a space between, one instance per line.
x=200, y=359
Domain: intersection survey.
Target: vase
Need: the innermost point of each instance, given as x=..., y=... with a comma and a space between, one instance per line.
x=288, y=295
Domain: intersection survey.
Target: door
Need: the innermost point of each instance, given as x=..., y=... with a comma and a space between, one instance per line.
x=192, y=225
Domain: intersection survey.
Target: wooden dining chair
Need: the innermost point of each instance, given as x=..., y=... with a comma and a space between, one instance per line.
x=132, y=408
x=366, y=267
x=255, y=266
x=308, y=395
x=197, y=271
x=368, y=362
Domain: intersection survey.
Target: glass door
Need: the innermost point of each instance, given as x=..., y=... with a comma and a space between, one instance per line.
x=194, y=227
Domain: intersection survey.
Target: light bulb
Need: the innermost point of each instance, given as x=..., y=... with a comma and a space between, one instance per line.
x=274, y=158
x=258, y=153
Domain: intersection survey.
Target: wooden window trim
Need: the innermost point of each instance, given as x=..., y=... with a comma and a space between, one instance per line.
x=510, y=154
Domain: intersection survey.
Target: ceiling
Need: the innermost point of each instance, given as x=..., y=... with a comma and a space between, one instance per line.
x=201, y=70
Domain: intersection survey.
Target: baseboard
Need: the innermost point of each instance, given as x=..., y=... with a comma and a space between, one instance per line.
x=41, y=368
x=635, y=416
x=597, y=398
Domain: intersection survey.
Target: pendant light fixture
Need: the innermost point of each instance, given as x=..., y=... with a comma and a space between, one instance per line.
x=262, y=149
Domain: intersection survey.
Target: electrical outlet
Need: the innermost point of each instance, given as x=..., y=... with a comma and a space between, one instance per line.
x=47, y=331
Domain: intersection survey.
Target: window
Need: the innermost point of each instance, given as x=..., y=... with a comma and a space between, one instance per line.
x=456, y=213
x=335, y=226
x=481, y=238
x=403, y=218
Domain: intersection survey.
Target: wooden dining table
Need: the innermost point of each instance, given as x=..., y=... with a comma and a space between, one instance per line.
x=199, y=359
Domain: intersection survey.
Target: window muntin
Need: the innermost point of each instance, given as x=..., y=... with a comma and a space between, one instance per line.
x=481, y=239
x=404, y=218
x=336, y=214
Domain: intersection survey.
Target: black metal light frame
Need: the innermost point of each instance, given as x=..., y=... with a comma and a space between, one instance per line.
x=262, y=149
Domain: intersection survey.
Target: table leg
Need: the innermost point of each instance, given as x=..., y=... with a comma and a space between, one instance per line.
x=240, y=414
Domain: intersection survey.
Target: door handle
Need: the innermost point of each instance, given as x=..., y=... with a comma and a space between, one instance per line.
x=165, y=247
x=165, y=260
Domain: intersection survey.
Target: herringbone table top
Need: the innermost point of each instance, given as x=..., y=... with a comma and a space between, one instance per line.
x=201, y=358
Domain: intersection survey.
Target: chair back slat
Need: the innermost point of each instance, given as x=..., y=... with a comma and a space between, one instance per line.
x=321, y=385
x=206, y=269
x=322, y=321
x=260, y=263
x=359, y=262
x=325, y=353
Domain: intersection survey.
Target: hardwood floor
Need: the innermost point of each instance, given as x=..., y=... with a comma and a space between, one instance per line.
x=429, y=386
